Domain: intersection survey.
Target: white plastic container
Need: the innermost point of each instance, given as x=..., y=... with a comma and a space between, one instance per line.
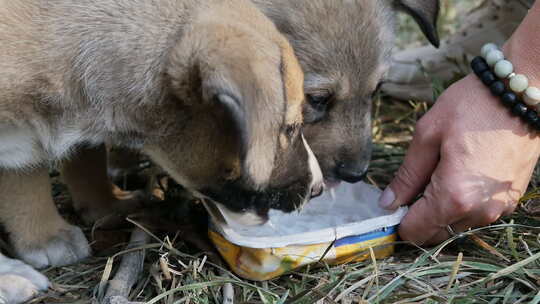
x=339, y=226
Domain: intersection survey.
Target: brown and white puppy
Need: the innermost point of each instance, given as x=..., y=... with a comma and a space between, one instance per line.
x=344, y=48
x=208, y=88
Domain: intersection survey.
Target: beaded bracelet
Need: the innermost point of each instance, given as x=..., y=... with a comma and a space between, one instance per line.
x=522, y=99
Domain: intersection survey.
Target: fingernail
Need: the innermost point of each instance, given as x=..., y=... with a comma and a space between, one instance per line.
x=387, y=198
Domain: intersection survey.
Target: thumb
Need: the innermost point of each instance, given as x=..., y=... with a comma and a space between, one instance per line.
x=415, y=172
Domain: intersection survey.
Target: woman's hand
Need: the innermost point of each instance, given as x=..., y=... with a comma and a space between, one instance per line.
x=473, y=159
x=469, y=156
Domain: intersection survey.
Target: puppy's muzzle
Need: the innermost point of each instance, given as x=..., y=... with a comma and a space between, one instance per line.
x=249, y=208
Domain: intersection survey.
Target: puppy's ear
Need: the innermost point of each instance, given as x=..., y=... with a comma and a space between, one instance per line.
x=425, y=13
x=254, y=127
x=262, y=94
x=237, y=112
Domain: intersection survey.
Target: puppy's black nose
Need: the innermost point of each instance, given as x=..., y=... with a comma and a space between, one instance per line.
x=350, y=174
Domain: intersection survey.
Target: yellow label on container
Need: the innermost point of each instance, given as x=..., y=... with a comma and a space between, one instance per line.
x=264, y=264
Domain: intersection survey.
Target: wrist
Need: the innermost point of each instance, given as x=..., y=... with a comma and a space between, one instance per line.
x=494, y=70
x=523, y=48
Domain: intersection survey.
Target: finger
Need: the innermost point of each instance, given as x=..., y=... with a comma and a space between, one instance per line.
x=415, y=172
x=482, y=216
x=437, y=208
x=419, y=224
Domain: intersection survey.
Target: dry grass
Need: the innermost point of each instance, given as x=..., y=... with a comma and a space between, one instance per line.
x=496, y=264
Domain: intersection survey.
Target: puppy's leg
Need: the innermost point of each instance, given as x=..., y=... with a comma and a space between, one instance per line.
x=94, y=196
x=19, y=282
x=40, y=236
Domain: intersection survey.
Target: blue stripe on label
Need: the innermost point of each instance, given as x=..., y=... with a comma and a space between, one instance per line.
x=355, y=239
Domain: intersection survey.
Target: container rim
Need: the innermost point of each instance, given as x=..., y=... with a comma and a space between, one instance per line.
x=371, y=225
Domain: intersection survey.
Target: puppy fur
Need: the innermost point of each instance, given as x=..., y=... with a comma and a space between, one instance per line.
x=209, y=89
x=344, y=48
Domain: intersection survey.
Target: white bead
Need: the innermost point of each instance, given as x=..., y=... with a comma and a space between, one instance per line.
x=511, y=76
x=487, y=48
x=493, y=57
x=503, y=68
x=532, y=96
x=519, y=83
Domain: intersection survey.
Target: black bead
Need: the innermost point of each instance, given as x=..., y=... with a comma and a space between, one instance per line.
x=519, y=109
x=481, y=68
x=476, y=60
x=537, y=125
x=509, y=99
x=497, y=88
x=532, y=117
x=488, y=77
x=479, y=65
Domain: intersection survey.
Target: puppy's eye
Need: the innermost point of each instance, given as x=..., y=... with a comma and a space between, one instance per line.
x=377, y=89
x=319, y=102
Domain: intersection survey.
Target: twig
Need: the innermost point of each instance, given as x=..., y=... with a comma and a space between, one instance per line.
x=129, y=270
x=228, y=293
x=455, y=270
x=488, y=247
x=164, y=265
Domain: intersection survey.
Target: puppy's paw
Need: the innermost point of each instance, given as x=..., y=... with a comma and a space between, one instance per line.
x=66, y=247
x=19, y=282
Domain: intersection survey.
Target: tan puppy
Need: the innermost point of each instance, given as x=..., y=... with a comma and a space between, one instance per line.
x=209, y=89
